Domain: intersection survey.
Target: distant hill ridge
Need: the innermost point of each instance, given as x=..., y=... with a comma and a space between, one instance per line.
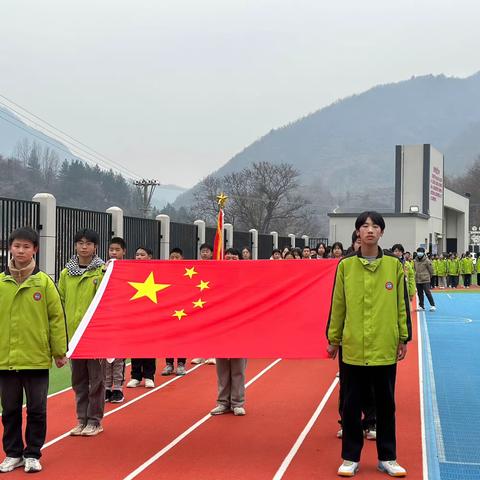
x=349, y=145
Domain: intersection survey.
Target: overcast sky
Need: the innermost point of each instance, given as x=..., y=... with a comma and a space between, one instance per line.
x=172, y=89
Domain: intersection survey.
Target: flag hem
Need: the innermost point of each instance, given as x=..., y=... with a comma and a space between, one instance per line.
x=90, y=311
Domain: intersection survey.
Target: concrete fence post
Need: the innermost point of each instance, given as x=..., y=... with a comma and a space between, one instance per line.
x=228, y=228
x=117, y=221
x=306, y=240
x=48, y=232
x=274, y=240
x=292, y=240
x=254, y=233
x=200, y=234
x=165, y=238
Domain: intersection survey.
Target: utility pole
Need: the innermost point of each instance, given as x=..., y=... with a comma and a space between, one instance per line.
x=148, y=187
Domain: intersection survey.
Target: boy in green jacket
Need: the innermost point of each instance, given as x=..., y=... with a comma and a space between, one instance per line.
x=77, y=285
x=33, y=330
x=370, y=319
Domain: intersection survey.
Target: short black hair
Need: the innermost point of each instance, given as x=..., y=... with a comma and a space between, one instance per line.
x=24, y=233
x=206, y=245
x=176, y=250
x=306, y=246
x=338, y=245
x=376, y=218
x=147, y=250
x=118, y=241
x=420, y=249
x=233, y=251
x=355, y=236
x=90, y=235
x=276, y=250
x=398, y=246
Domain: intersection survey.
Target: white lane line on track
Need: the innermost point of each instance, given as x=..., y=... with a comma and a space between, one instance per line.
x=187, y=432
x=125, y=405
x=422, y=400
x=296, y=446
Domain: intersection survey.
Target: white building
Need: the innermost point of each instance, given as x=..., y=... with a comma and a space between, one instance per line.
x=426, y=213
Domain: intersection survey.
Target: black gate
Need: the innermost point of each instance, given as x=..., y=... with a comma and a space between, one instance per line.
x=15, y=214
x=141, y=232
x=284, y=242
x=265, y=246
x=241, y=240
x=69, y=222
x=314, y=241
x=184, y=236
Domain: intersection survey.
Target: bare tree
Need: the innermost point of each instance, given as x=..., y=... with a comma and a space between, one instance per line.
x=49, y=166
x=205, y=203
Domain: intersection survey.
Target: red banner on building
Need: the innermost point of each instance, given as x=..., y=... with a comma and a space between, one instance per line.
x=245, y=309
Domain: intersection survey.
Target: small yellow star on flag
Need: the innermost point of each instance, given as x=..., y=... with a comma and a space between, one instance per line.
x=190, y=272
x=199, y=303
x=203, y=285
x=179, y=314
x=148, y=288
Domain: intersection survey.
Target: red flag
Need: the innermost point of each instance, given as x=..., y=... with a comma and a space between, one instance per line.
x=219, y=241
x=245, y=309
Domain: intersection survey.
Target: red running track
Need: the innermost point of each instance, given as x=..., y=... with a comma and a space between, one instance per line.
x=279, y=405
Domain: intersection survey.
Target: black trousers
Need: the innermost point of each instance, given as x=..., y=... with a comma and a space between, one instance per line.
x=369, y=419
x=467, y=279
x=421, y=288
x=12, y=386
x=453, y=280
x=143, y=368
x=382, y=379
x=434, y=281
x=179, y=360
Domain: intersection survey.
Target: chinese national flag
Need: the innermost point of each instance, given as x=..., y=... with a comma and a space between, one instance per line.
x=223, y=309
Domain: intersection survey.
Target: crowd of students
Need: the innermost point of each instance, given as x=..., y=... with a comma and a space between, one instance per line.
x=41, y=317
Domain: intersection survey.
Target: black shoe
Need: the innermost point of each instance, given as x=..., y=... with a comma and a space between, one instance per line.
x=117, y=397
x=108, y=395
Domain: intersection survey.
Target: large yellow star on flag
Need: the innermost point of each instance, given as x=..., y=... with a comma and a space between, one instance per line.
x=148, y=288
x=190, y=272
x=203, y=285
x=179, y=314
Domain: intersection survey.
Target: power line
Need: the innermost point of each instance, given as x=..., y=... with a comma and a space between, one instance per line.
x=97, y=156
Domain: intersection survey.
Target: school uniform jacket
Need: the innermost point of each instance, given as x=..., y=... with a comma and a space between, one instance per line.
x=370, y=312
x=32, y=323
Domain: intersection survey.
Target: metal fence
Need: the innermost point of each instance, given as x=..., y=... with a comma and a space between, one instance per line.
x=69, y=222
x=299, y=242
x=15, y=214
x=265, y=246
x=141, y=232
x=314, y=241
x=210, y=235
x=284, y=242
x=184, y=236
x=241, y=240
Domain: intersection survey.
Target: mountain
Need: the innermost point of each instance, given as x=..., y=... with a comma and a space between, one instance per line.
x=164, y=194
x=13, y=131
x=349, y=145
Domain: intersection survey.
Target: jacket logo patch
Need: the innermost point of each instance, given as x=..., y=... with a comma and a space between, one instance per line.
x=37, y=296
x=389, y=286
x=95, y=281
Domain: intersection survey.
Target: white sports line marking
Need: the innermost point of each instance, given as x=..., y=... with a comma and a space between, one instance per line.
x=422, y=402
x=187, y=432
x=296, y=446
x=125, y=405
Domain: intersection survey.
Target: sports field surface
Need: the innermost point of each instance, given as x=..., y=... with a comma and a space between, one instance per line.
x=290, y=428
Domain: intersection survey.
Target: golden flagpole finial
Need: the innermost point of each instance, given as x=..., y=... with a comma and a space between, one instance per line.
x=222, y=200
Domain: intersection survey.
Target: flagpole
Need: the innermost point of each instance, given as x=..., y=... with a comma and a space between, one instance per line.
x=219, y=243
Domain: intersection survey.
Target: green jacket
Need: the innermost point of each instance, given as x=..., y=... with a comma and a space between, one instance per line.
x=410, y=278
x=467, y=266
x=441, y=267
x=32, y=323
x=435, y=267
x=453, y=267
x=370, y=312
x=77, y=292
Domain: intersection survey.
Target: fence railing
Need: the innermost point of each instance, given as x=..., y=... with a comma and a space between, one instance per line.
x=141, y=232
x=184, y=236
x=15, y=214
x=314, y=241
x=241, y=240
x=69, y=221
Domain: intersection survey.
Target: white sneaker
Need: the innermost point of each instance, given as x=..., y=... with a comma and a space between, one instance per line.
x=420, y=309
x=133, y=383
x=77, y=430
x=392, y=468
x=11, y=463
x=220, y=410
x=340, y=433
x=210, y=361
x=197, y=361
x=32, y=465
x=348, y=469
x=239, y=411
x=371, y=433
x=432, y=309
x=92, y=430
x=149, y=383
